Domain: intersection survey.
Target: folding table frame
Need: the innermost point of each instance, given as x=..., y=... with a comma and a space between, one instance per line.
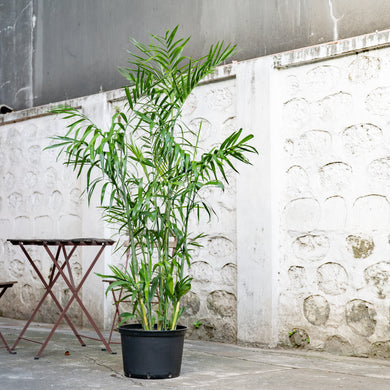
x=58, y=269
x=4, y=286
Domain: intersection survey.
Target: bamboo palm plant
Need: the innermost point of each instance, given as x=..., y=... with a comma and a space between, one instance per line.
x=149, y=169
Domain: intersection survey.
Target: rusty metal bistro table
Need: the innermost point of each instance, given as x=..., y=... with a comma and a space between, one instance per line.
x=54, y=248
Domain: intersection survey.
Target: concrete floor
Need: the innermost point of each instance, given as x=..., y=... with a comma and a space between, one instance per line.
x=205, y=365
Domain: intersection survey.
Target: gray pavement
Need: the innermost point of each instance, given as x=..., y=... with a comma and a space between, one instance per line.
x=206, y=365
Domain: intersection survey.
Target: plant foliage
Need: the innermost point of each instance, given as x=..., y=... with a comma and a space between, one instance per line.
x=149, y=169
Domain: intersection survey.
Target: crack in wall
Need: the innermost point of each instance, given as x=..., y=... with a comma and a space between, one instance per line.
x=334, y=20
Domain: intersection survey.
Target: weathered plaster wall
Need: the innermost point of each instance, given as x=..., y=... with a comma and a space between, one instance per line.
x=313, y=216
x=299, y=252
x=39, y=197
x=333, y=168
x=213, y=299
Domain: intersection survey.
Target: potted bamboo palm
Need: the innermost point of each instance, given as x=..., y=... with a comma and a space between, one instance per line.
x=149, y=169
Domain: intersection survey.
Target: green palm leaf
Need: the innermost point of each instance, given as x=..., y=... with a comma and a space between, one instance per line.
x=148, y=175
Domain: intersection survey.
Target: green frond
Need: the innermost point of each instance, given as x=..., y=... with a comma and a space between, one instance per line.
x=146, y=168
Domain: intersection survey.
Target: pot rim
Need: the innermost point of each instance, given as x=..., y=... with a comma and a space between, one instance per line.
x=137, y=330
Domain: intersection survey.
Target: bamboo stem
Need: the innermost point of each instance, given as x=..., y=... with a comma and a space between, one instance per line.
x=173, y=327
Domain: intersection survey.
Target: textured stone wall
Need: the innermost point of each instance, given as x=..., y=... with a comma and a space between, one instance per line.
x=334, y=204
x=38, y=198
x=212, y=303
x=213, y=299
x=299, y=251
x=41, y=198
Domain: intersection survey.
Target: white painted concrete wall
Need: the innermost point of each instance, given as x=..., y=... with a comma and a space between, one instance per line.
x=322, y=280
x=299, y=252
x=39, y=198
x=333, y=202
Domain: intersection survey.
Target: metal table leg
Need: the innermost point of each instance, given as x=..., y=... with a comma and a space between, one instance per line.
x=75, y=290
x=53, y=278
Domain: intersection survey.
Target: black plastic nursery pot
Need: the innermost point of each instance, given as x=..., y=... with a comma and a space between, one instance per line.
x=153, y=354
